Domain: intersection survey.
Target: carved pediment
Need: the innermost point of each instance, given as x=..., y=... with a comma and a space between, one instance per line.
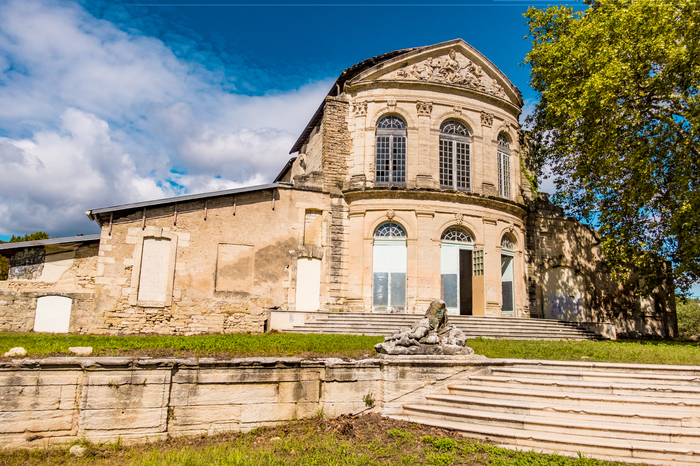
x=453, y=68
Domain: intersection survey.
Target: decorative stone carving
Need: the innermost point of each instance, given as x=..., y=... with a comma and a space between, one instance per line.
x=459, y=217
x=360, y=108
x=486, y=119
x=430, y=335
x=454, y=68
x=391, y=104
x=390, y=214
x=424, y=108
x=457, y=109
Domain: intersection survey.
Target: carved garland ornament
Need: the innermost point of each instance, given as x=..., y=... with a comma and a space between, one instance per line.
x=453, y=69
x=424, y=108
x=360, y=108
x=486, y=119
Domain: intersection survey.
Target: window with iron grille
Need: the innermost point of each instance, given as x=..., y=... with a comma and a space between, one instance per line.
x=390, y=230
x=455, y=141
x=504, y=166
x=478, y=262
x=390, y=151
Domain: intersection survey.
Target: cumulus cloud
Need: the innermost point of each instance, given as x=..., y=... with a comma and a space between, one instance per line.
x=93, y=116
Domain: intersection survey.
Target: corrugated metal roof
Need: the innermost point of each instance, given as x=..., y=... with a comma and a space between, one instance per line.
x=48, y=242
x=189, y=197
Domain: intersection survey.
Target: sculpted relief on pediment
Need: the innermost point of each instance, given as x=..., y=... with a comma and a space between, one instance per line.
x=455, y=69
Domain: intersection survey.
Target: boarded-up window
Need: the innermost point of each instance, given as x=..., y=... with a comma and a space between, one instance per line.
x=52, y=314
x=234, y=267
x=313, y=222
x=308, y=284
x=153, y=279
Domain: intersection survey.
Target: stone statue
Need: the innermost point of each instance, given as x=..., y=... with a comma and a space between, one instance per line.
x=430, y=335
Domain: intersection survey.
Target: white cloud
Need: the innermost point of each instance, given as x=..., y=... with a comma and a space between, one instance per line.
x=95, y=116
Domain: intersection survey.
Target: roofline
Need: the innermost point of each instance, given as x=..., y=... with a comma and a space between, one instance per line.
x=188, y=197
x=284, y=171
x=337, y=88
x=49, y=242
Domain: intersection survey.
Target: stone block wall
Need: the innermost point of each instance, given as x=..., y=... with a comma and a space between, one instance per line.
x=233, y=259
x=75, y=279
x=59, y=400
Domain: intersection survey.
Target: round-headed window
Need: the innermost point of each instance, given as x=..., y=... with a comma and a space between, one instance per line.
x=390, y=151
x=390, y=230
x=456, y=234
x=455, y=140
x=507, y=242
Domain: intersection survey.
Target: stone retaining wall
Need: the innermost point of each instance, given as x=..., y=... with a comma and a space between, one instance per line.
x=56, y=400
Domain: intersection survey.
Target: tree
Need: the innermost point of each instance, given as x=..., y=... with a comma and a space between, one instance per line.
x=618, y=124
x=688, y=311
x=5, y=263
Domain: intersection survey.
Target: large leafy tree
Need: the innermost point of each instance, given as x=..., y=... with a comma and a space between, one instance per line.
x=618, y=124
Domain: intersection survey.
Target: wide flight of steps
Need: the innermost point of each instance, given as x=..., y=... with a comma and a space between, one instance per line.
x=622, y=412
x=487, y=327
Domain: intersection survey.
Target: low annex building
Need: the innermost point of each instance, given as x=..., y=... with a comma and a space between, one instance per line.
x=407, y=185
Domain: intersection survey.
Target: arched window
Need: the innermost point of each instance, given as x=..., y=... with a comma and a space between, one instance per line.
x=389, y=268
x=507, y=242
x=504, y=166
x=454, y=156
x=507, y=274
x=390, y=156
x=457, y=270
x=456, y=234
x=390, y=230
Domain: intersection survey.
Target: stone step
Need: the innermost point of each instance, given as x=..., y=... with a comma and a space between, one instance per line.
x=603, y=447
x=577, y=386
x=472, y=336
x=583, y=398
x=601, y=412
x=488, y=328
x=492, y=330
x=617, y=367
x=571, y=426
x=596, y=376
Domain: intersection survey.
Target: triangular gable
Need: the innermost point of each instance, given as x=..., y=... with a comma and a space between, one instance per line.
x=453, y=63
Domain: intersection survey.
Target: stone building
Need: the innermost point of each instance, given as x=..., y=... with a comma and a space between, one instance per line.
x=406, y=185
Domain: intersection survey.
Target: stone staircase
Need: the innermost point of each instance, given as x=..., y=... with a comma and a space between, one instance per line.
x=507, y=328
x=619, y=412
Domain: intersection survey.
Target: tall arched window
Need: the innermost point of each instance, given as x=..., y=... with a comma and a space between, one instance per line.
x=507, y=285
x=504, y=166
x=456, y=270
x=389, y=268
x=454, y=156
x=390, y=157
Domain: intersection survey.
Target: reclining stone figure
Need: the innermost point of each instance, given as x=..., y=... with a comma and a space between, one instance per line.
x=430, y=335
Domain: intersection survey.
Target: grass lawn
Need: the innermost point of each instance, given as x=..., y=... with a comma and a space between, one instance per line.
x=345, y=346
x=233, y=345
x=348, y=440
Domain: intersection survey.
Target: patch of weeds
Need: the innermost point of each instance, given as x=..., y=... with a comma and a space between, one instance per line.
x=440, y=459
x=400, y=436
x=369, y=400
x=319, y=413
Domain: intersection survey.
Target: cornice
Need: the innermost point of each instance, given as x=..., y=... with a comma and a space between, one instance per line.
x=441, y=87
x=462, y=198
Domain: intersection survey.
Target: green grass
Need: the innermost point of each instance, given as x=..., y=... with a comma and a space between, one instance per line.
x=269, y=344
x=640, y=352
x=362, y=440
x=347, y=346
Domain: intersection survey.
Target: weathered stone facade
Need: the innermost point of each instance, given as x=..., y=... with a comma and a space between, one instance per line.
x=407, y=186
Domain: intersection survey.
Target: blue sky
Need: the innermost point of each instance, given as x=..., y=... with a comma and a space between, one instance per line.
x=107, y=102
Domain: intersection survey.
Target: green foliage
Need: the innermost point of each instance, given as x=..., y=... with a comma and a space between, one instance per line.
x=618, y=123
x=688, y=312
x=4, y=261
